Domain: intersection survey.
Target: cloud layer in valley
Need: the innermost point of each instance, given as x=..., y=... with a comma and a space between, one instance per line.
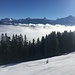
x=34, y=30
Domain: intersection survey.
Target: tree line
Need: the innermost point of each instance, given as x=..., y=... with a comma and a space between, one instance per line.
x=18, y=49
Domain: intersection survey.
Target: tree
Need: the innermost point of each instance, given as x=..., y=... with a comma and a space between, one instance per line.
x=25, y=48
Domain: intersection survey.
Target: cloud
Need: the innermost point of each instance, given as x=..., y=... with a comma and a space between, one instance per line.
x=34, y=30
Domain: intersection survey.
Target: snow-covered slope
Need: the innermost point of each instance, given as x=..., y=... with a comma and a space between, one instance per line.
x=60, y=65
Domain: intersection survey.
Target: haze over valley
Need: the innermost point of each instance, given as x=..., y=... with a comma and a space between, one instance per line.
x=34, y=30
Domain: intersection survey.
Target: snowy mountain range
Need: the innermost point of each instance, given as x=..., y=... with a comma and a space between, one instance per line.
x=69, y=20
x=60, y=65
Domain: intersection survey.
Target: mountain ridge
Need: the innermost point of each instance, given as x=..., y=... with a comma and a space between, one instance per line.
x=69, y=20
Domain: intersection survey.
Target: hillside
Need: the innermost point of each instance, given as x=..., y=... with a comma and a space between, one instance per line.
x=60, y=65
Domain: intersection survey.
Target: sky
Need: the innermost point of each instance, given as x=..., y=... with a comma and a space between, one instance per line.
x=51, y=9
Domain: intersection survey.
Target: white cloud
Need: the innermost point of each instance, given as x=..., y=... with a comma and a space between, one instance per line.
x=34, y=30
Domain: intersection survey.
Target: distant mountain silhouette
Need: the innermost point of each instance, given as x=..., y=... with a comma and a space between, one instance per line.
x=70, y=20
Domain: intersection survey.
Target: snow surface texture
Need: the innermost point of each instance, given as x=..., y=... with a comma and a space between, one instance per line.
x=60, y=65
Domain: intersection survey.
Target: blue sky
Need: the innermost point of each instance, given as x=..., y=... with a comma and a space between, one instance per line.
x=50, y=9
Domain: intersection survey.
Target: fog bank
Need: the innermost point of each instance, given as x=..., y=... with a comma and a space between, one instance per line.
x=34, y=30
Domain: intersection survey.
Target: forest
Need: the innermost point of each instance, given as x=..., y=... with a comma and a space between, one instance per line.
x=17, y=48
